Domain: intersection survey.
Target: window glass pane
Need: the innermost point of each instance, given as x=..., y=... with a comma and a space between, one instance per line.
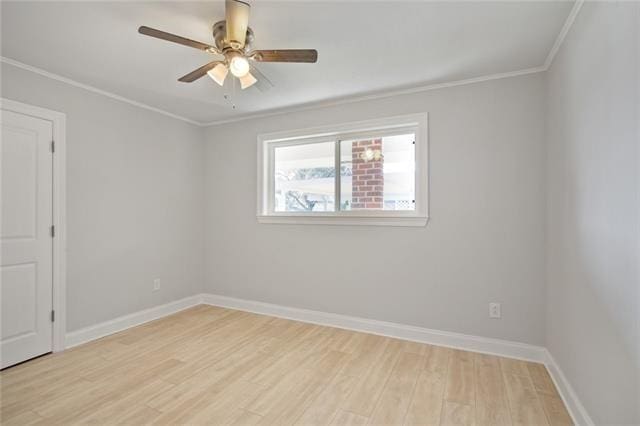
x=378, y=173
x=305, y=178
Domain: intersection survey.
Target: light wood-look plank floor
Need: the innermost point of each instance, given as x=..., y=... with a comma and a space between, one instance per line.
x=209, y=365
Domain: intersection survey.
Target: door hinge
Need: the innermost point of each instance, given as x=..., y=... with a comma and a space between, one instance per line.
x=53, y=146
x=53, y=231
x=53, y=316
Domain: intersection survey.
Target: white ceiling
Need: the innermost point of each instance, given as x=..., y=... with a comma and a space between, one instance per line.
x=364, y=47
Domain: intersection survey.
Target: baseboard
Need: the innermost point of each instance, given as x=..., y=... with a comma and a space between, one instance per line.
x=401, y=331
x=97, y=331
x=571, y=401
x=383, y=328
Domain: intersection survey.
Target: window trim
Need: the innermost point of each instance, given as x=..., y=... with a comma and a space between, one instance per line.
x=347, y=131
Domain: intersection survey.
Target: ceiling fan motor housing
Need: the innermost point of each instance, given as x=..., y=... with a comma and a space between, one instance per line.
x=220, y=37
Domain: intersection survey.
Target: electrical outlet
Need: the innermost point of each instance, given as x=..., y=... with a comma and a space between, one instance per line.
x=156, y=284
x=494, y=310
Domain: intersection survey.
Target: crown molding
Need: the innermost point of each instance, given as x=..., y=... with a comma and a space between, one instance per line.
x=563, y=33
x=93, y=89
x=328, y=103
x=376, y=95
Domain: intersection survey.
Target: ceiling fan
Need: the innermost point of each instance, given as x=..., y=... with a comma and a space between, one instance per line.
x=234, y=39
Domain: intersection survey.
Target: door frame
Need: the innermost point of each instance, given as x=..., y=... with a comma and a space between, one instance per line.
x=59, y=299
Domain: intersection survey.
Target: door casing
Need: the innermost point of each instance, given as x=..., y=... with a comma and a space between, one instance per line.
x=58, y=119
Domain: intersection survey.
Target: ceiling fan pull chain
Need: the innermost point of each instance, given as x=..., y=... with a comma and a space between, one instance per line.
x=228, y=98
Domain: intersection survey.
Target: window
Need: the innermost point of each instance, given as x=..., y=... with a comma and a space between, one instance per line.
x=365, y=173
x=304, y=177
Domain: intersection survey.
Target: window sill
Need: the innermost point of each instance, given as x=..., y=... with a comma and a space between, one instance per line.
x=344, y=220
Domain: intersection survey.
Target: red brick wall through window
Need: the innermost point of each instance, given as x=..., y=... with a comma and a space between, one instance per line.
x=367, y=185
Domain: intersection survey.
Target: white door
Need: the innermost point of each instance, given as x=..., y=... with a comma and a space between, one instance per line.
x=26, y=244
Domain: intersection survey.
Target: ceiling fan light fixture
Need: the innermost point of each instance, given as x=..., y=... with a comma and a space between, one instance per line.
x=233, y=39
x=247, y=80
x=239, y=66
x=218, y=73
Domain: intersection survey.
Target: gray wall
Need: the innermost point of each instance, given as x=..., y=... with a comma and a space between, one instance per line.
x=484, y=242
x=593, y=283
x=134, y=200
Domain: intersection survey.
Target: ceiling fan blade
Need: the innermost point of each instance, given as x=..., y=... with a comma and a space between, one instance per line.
x=237, y=17
x=152, y=32
x=263, y=84
x=200, y=72
x=286, y=55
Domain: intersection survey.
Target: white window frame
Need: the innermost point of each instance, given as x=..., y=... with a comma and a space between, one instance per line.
x=415, y=123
